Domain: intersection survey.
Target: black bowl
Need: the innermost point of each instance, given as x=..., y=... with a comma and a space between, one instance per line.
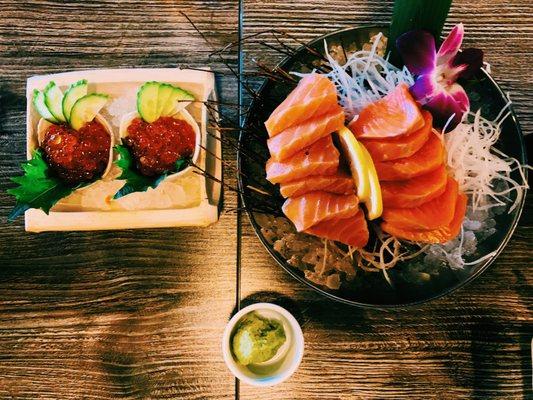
x=371, y=289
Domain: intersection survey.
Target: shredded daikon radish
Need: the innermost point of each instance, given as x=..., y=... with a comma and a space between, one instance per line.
x=478, y=166
x=365, y=78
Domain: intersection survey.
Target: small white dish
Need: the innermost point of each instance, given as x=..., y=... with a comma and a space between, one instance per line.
x=286, y=360
x=183, y=115
x=42, y=128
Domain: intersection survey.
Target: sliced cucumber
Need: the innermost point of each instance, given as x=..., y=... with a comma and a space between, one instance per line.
x=53, y=98
x=165, y=91
x=75, y=92
x=147, y=101
x=86, y=108
x=178, y=100
x=40, y=106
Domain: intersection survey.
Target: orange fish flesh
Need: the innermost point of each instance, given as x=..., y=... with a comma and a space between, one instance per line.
x=415, y=191
x=352, y=231
x=321, y=158
x=314, y=95
x=440, y=235
x=431, y=215
x=314, y=207
x=425, y=160
x=400, y=146
x=295, y=138
x=340, y=183
x=393, y=115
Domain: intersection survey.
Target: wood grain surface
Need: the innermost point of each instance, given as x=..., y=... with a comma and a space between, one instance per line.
x=475, y=343
x=139, y=314
x=121, y=314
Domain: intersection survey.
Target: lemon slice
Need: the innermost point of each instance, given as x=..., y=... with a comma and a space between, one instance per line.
x=354, y=153
x=374, y=203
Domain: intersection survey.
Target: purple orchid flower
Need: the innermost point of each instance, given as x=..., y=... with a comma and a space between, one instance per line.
x=435, y=87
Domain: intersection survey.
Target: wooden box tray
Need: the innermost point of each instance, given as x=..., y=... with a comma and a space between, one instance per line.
x=191, y=200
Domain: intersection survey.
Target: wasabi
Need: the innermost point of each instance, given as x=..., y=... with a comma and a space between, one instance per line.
x=257, y=339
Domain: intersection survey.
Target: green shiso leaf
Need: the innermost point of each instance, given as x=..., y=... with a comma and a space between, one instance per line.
x=37, y=188
x=409, y=15
x=135, y=181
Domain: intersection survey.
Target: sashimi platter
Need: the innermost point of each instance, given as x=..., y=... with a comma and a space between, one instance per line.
x=378, y=183
x=380, y=166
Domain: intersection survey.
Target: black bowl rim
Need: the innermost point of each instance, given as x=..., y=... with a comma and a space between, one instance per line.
x=282, y=263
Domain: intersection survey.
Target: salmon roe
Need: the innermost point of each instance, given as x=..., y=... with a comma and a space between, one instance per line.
x=158, y=145
x=77, y=156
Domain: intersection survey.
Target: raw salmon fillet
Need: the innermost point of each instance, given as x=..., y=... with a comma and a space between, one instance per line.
x=395, y=114
x=400, y=146
x=415, y=191
x=352, y=231
x=427, y=159
x=314, y=95
x=293, y=139
x=439, y=235
x=314, y=207
x=431, y=215
x=340, y=183
x=321, y=158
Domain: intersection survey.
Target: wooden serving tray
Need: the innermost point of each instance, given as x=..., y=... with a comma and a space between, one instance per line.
x=191, y=200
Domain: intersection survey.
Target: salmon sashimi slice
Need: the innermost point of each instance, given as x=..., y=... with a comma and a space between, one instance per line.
x=440, y=235
x=295, y=138
x=431, y=215
x=395, y=114
x=400, y=146
x=352, y=231
x=340, y=183
x=321, y=158
x=427, y=159
x=314, y=95
x=415, y=191
x=314, y=207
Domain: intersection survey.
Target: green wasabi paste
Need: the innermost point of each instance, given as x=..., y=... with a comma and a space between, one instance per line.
x=257, y=339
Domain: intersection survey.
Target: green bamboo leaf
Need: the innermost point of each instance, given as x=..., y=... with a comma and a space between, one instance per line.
x=409, y=15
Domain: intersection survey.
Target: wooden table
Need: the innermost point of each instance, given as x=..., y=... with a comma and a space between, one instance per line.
x=139, y=314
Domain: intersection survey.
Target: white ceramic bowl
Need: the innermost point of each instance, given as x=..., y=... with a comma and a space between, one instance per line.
x=43, y=126
x=286, y=360
x=183, y=115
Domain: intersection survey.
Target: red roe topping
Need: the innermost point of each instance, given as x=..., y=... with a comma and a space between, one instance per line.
x=77, y=156
x=157, y=146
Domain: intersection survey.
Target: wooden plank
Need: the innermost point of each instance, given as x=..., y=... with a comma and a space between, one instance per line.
x=474, y=343
x=106, y=315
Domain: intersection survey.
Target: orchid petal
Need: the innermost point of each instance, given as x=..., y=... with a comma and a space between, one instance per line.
x=471, y=59
x=449, y=73
x=417, y=49
x=451, y=45
x=423, y=88
x=446, y=103
x=460, y=96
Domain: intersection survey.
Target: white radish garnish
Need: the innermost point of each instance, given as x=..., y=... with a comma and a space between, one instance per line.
x=478, y=166
x=365, y=78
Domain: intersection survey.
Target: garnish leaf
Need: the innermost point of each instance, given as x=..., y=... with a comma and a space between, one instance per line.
x=411, y=15
x=37, y=188
x=135, y=181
